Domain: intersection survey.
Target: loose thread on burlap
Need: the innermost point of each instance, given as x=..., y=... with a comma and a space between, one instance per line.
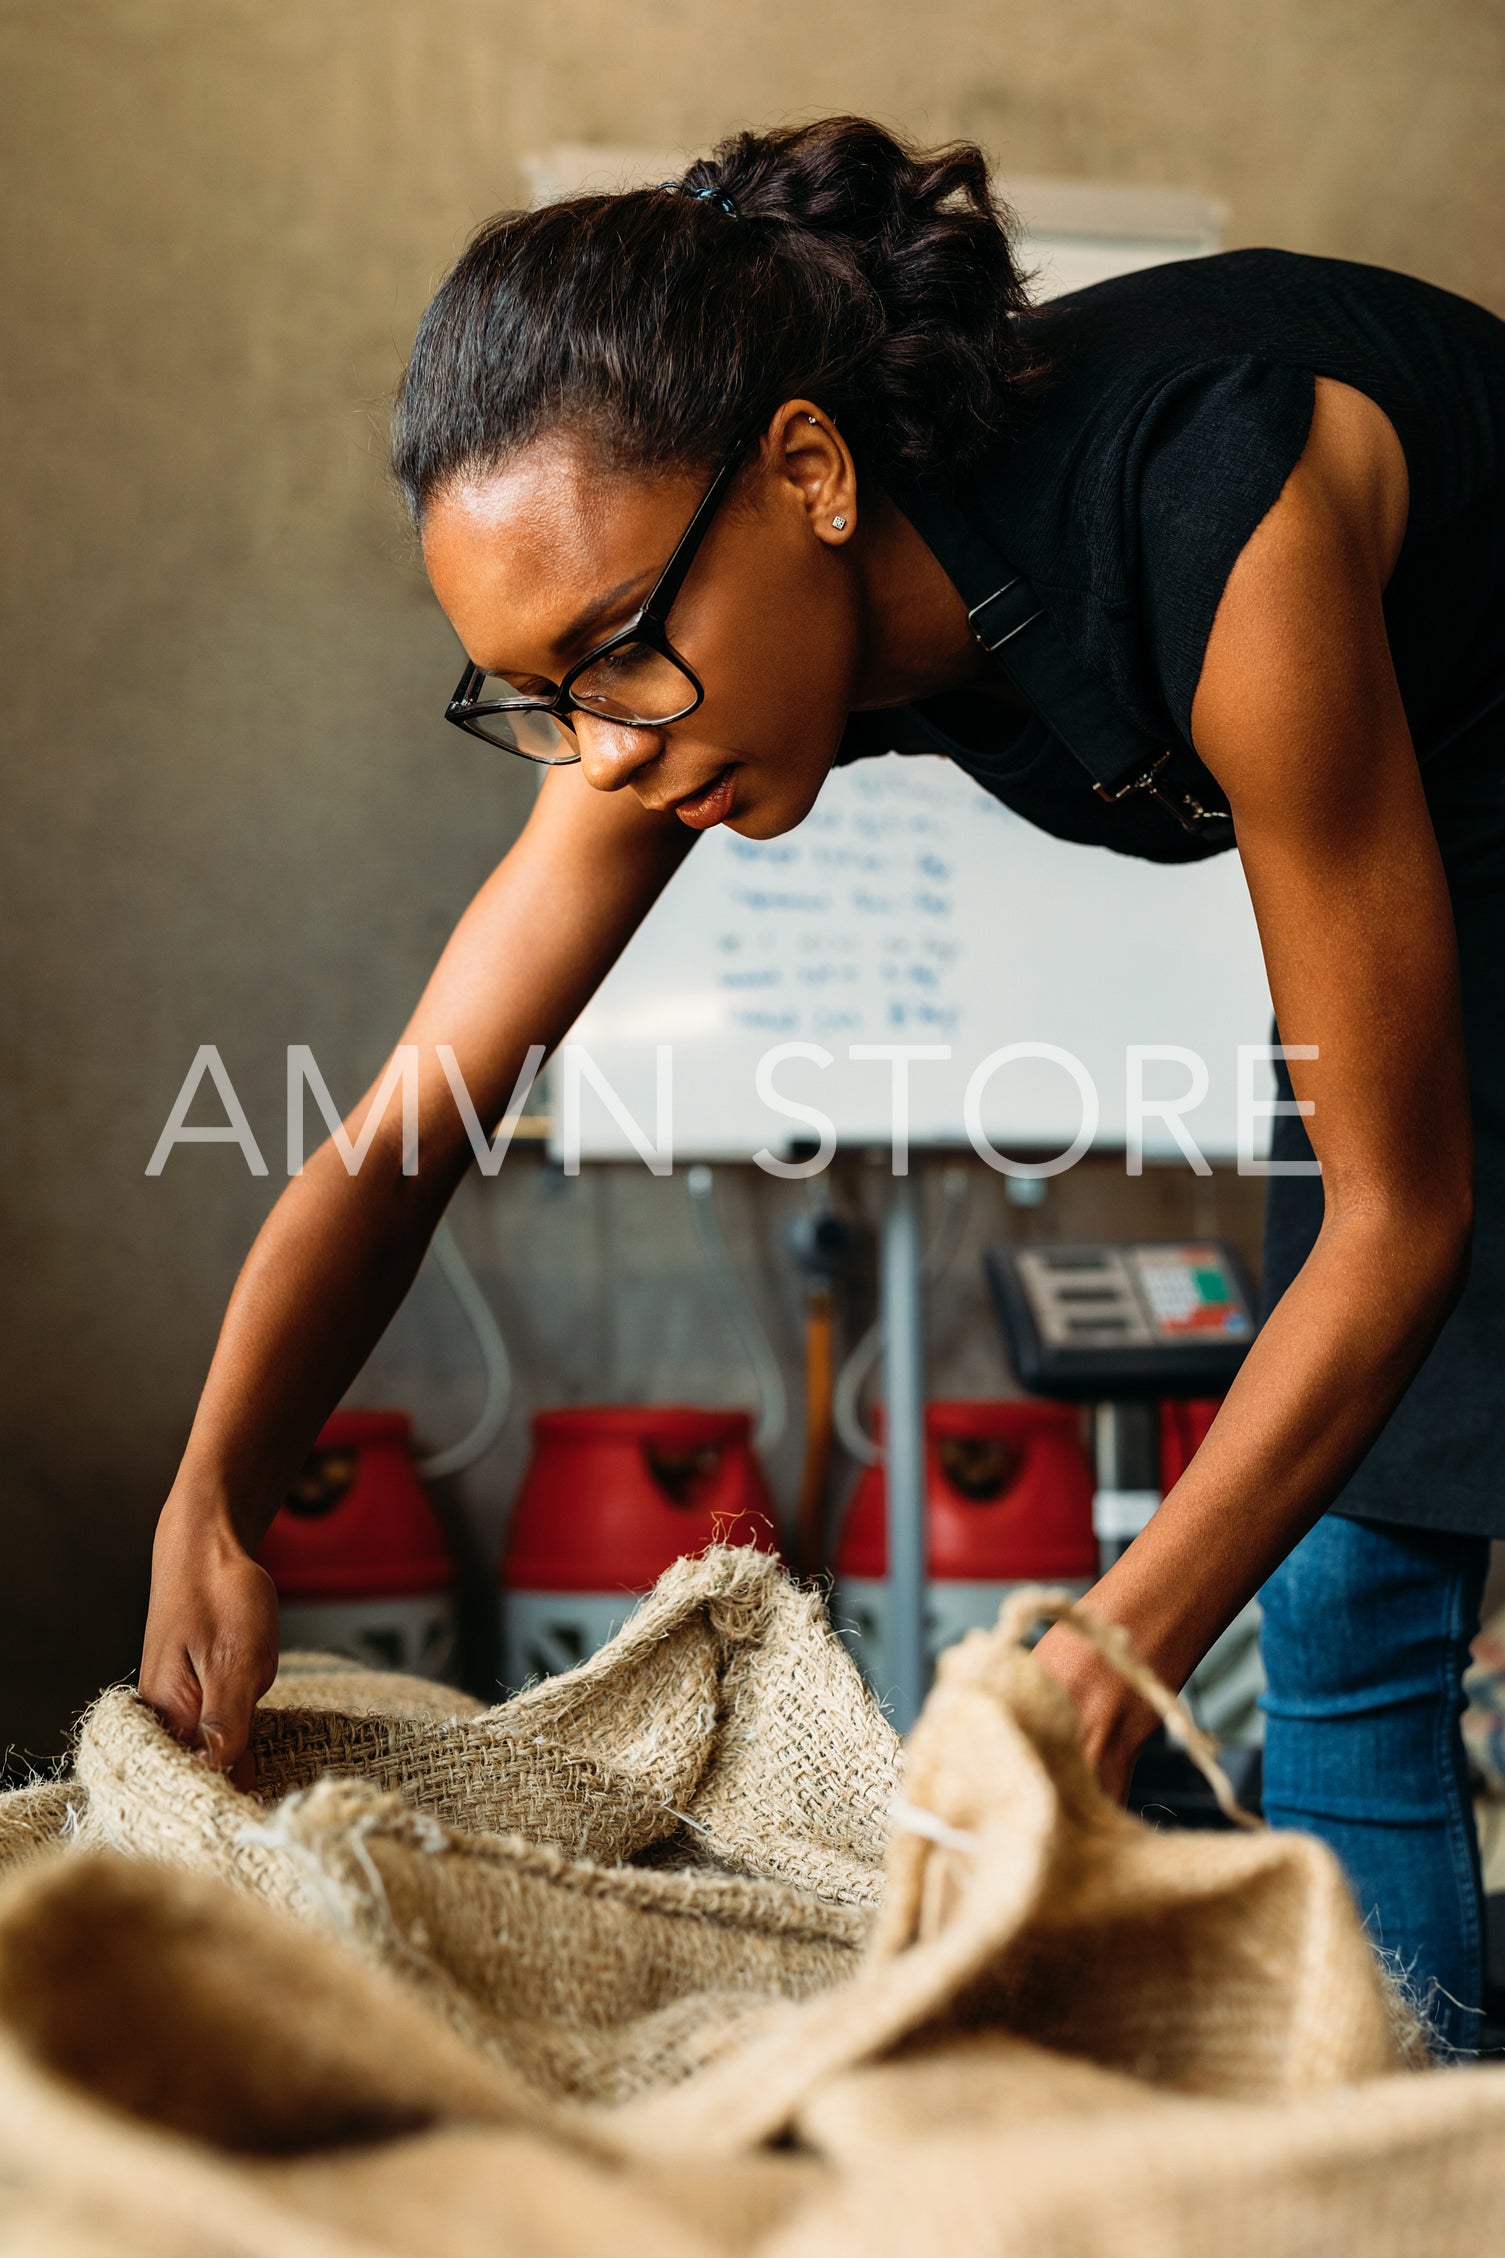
x=343, y=1900
x=686, y=1821
x=1024, y=1609
x=339, y=1900
x=914, y=1819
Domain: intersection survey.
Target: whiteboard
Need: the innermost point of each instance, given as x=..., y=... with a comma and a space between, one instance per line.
x=911, y=907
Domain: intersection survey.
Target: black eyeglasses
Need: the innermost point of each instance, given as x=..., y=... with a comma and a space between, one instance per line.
x=635, y=678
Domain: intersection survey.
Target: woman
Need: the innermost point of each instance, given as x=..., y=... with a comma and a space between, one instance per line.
x=1257, y=501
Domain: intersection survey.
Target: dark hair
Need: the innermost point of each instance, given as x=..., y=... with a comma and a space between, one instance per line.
x=876, y=279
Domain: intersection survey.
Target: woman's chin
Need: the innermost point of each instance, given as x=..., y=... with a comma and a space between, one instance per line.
x=771, y=813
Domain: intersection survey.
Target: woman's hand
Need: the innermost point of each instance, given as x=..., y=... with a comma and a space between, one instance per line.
x=1115, y=1722
x=211, y=1637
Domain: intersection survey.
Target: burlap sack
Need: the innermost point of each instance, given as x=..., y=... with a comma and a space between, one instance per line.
x=50, y=1809
x=36, y=1818
x=183, y=2069
x=639, y=1917
x=1019, y=1897
x=308, y=1679
x=726, y=1723
x=991, y=2145
x=488, y=1859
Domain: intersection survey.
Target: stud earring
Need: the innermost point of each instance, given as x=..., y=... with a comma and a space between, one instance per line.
x=840, y=524
x=812, y=419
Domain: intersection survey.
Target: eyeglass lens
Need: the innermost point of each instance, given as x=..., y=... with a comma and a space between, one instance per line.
x=634, y=683
x=537, y=736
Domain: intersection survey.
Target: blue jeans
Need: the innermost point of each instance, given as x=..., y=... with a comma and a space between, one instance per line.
x=1366, y=1636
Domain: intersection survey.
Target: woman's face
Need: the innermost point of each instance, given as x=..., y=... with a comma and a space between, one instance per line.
x=540, y=561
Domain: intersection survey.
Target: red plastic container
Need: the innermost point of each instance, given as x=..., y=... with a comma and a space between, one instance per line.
x=614, y=1494
x=1008, y=1499
x=358, y=1523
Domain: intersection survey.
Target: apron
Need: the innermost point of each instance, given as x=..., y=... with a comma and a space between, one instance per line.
x=1082, y=769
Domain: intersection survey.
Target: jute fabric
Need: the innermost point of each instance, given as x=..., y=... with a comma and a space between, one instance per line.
x=672, y=1955
x=36, y=1818
x=724, y=1725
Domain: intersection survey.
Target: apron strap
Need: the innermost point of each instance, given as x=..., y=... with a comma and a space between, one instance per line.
x=1011, y=623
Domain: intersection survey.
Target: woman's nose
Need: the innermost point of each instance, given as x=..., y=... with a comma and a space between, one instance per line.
x=610, y=754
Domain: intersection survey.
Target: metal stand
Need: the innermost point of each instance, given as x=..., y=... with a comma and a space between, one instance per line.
x=1127, y=1436
x=902, y=1304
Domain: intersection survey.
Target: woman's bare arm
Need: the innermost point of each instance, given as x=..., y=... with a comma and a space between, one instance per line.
x=1298, y=715
x=338, y=1252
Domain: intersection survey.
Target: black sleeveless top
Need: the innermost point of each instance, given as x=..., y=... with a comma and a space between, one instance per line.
x=1180, y=400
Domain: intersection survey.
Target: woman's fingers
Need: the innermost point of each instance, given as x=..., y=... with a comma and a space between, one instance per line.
x=236, y=1665
x=224, y=1726
x=211, y=1646
x=170, y=1685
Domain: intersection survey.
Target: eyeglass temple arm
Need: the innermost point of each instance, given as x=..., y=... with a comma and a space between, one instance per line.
x=664, y=590
x=660, y=596
x=466, y=689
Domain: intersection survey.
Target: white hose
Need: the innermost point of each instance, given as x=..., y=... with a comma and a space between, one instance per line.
x=846, y=1396
x=462, y=1283
x=773, y=1404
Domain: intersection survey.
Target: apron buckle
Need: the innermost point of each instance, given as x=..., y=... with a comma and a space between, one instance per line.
x=1189, y=813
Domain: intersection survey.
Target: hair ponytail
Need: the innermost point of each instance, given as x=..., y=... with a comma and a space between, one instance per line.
x=829, y=261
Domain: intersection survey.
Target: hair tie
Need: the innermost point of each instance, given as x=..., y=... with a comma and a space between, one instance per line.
x=703, y=196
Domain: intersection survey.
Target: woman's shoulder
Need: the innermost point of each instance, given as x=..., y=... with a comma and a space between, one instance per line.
x=1178, y=401
x=1118, y=336
x=1246, y=301
x=1162, y=386
x=1168, y=389
x=1114, y=350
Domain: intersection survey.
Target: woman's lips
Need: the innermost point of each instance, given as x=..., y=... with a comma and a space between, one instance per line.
x=700, y=810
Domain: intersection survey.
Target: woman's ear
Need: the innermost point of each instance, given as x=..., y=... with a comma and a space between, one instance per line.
x=809, y=454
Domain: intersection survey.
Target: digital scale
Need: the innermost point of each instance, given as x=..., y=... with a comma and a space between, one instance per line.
x=1122, y=1328
x=1095, y=1323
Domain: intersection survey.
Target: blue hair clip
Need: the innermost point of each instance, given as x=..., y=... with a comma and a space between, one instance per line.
x=704, y=196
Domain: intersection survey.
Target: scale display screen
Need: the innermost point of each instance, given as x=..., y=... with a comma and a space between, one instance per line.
x=1161, y=1317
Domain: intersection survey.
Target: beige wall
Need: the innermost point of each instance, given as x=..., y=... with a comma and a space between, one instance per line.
x=232, y=811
